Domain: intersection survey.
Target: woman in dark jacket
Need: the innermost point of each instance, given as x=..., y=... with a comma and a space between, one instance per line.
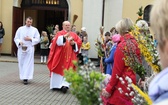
x=2, y=33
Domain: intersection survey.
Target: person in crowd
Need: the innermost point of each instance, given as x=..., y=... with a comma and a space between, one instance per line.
x=56, y=29
x=155, y=42
x=107, y=47
x=73, y=28
x=101, y=35
x=110, y=59
x=44, y=42
x=26, y=38
x=85, y=50
x=102, y=50
x=108, y=43
x=113, y=31
x=100, y=38
x=82, y=34
x=120, y=69
x=158, y=88
x=142, y=24
x=63, y=52
x=78, y=33
x=144, y=31
x=2, y=33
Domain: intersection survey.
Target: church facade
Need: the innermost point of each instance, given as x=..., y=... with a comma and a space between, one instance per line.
x=83, y=13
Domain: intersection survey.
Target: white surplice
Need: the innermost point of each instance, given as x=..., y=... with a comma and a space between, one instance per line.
x=26, y=58
x=57, y=80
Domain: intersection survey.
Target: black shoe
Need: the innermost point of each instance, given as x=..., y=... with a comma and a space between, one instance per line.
x=98, y=65
x=25, y=81
x=56, y=89
x=64, y=89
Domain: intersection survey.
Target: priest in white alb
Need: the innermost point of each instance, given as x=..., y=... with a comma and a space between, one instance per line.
x=26, y=38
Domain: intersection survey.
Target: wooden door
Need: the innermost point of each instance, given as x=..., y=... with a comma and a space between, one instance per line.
x=17, y=22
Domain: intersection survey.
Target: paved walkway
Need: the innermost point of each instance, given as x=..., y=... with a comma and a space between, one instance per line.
x=13, y=59
x=37, y=92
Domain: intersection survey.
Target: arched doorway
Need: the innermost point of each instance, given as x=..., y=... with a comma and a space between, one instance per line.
x=146, y=15
x=43, y=12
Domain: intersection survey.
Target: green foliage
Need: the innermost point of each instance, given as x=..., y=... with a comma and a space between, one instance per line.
x=147, y=48
x=85, y=84
x=139, y=69
x=50, y=29
x=99, y=47
x=132, y=59
x=140, y=12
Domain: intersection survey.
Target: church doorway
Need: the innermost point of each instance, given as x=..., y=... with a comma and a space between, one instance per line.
x=47, y=18
x=44, y=13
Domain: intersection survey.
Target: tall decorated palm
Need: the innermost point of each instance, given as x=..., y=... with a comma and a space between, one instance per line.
x=140, y=13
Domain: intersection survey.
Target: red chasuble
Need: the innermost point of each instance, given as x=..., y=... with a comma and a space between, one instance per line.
x=61, y=57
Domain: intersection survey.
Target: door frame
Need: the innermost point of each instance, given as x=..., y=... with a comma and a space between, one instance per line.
x=16, y=23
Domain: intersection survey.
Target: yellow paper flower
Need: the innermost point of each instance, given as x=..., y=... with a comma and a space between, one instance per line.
x=144, y=95
x=145, y=46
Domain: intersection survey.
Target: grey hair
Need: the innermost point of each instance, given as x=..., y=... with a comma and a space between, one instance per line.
x=124, y=26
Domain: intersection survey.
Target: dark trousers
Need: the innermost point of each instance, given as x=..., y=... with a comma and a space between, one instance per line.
x=80, y=58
